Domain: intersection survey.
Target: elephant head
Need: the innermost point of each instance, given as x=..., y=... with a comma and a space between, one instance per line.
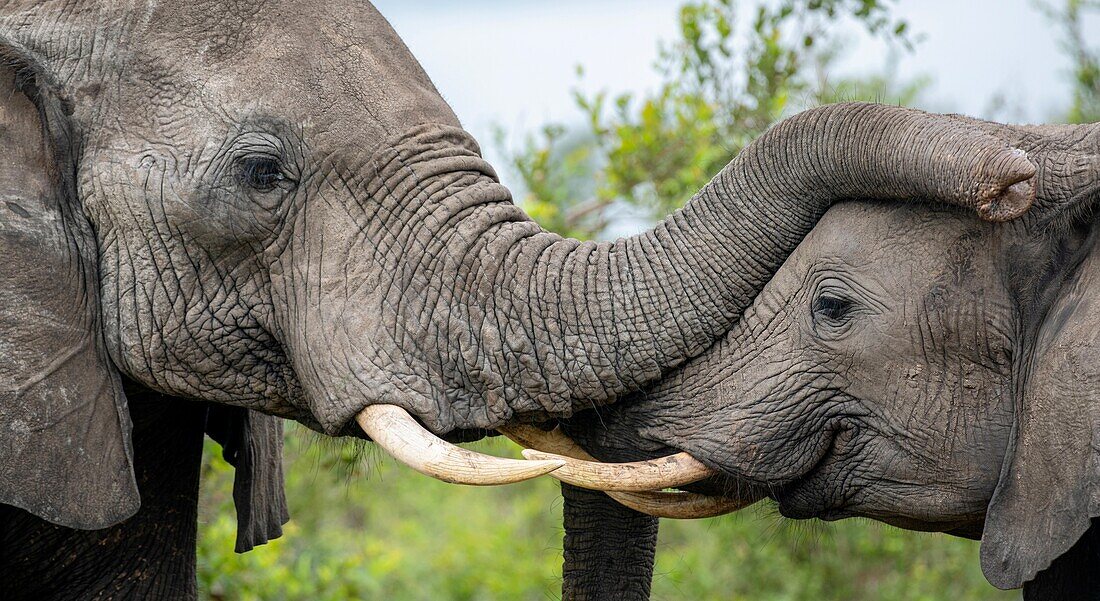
x=272, y=208
x=925, y=370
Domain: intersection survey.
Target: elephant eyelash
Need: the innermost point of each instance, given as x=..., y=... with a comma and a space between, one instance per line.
x=263, y=173
x=832, y=308
x=831, y=311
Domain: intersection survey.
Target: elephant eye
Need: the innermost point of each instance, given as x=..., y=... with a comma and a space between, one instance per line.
x=831, y=308
x=262, y=173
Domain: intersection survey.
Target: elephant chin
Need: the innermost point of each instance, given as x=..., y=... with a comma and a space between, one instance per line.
x=962, y=528
x=815, y=495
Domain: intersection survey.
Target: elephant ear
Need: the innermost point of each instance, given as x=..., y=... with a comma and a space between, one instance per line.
x=1050, y=482
x=65, y=452
x=252, y=443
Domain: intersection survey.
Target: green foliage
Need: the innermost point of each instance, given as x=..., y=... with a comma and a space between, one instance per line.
x=557, y=169
x=729, y=76
x=365, y=528
x=1069, y=17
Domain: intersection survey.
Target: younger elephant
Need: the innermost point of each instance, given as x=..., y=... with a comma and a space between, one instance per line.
x=924, y=370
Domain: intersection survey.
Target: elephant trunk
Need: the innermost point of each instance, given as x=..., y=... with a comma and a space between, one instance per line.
x=608, y=549
x=564, y=325
x=435, y=293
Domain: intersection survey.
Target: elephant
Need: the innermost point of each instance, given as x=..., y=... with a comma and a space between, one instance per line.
x=910, y=366
x=218, y=215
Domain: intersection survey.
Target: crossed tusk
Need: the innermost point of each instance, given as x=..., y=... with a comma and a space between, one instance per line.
x=632, y=484
x=636, y=476
x=675, y=505
x=393, y=429
x=680, y=505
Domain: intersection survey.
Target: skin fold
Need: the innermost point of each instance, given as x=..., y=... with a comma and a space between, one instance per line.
x=273, y=211
x=919, y=368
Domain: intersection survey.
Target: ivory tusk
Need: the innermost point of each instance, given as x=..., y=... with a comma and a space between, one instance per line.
x=637, y=476
x=393, y=429
x=673, y=505
x=679, y=505
x=547, y=441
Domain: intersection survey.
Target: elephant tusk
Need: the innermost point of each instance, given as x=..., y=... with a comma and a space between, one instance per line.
x=548, y=441
x=680, y=505
x=393, y=429
x=637, y=476
x=673, y=505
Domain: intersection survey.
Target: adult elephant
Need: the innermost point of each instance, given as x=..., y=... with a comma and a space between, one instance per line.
x=218, y=212
x=928, y=371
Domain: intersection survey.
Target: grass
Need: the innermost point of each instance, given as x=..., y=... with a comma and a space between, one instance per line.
x=365, y=528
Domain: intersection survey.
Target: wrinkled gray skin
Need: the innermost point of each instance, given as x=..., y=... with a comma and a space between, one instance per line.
x=271, y=210
x=919, y=368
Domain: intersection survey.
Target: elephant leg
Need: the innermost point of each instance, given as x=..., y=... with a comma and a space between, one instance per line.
x=609, y=549
x=1074, y=575
x=150, y=555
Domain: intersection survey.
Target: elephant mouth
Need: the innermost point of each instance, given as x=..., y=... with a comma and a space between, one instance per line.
x=801, y=499
x=808, y=494
x=639, y=485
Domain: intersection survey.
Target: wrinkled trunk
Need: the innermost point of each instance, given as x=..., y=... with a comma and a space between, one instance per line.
x=435, y=293
x=609, y=549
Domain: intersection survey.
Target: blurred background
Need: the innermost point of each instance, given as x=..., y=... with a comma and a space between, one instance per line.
x=603, y=116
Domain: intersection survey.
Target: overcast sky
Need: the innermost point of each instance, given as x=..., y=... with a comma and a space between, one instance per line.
x=512, y=62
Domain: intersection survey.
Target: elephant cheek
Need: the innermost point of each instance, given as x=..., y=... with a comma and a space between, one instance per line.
x=764, y=435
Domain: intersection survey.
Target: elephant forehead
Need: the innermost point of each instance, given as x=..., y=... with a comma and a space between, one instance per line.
x=901, y=241
x=337, y=67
